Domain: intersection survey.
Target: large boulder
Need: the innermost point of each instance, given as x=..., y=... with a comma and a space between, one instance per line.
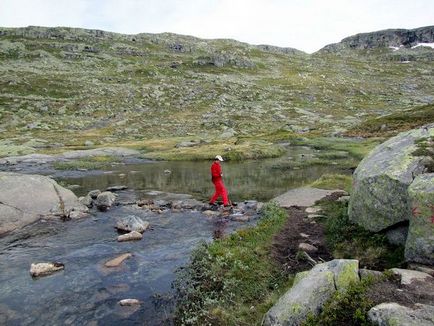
x=25, y=198
x=420, y=240
x=380, y=183
x=311, y=290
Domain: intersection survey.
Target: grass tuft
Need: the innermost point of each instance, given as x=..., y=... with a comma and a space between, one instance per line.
x=334, y=181
x=232, y=281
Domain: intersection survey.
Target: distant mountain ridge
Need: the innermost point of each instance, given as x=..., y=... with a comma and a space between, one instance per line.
x=378, y=39
x=81, y=34
x=385, y=38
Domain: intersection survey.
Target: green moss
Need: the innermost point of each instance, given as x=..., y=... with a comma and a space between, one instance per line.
x=87, y=163
x=348, y=275
x=348, y=307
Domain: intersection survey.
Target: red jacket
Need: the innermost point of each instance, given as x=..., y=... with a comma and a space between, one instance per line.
x=216, y=171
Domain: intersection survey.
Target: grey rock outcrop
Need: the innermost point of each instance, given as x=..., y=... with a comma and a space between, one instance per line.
x=382, y=196
x=311, y=290
x=385, y=38
x=390, y=314
x=25, y=199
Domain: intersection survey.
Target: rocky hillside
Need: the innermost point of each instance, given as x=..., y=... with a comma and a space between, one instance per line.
x=408, y=38
x=63, y=86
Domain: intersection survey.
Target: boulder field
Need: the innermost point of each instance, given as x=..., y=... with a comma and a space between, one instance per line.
x=392, y=188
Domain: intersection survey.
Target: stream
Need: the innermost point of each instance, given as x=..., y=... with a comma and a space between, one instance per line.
x=86, y=292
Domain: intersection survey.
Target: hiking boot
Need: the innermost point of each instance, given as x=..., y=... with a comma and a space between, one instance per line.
x=213, y=207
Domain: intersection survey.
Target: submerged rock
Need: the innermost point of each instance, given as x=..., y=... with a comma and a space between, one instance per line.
x=132, y=223
x=44, y=269
x=133, y=235
x=115, y=262
x=116, y=188
x=129, y=302
x=390, y=314
x=25, y=198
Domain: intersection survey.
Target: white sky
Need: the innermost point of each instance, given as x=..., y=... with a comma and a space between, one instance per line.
x=307, y=25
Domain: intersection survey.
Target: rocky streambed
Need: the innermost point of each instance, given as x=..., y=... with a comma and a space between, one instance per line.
x=91, y=287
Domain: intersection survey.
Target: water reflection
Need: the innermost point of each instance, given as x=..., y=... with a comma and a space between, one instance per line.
x=259, y=180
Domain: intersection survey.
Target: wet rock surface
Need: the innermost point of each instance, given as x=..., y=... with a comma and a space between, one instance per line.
x=132, y=223
x=44, y=269
x=130, y=236
x=115, y=262
x=105, y=200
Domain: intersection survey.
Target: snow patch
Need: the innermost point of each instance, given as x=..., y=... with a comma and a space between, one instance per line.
x=430, y=45
x=396, y=48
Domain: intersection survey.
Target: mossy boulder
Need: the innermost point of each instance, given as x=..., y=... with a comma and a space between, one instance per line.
x=311, y=290
x=420, y=240
x=380, y=183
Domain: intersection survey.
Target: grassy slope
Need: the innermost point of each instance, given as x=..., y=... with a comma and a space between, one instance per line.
x=392, y=124
x=135, y=90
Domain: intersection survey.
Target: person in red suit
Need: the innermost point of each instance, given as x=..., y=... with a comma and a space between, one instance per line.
x=216, y=177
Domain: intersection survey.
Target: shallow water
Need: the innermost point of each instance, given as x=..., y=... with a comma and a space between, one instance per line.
x=86, y=290
x=250, y=179
x=87, y=293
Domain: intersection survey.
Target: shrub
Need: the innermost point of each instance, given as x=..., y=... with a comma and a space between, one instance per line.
x=348, y=240
x=345, y=308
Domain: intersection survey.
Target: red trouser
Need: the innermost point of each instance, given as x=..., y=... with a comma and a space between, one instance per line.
x=220, y=190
